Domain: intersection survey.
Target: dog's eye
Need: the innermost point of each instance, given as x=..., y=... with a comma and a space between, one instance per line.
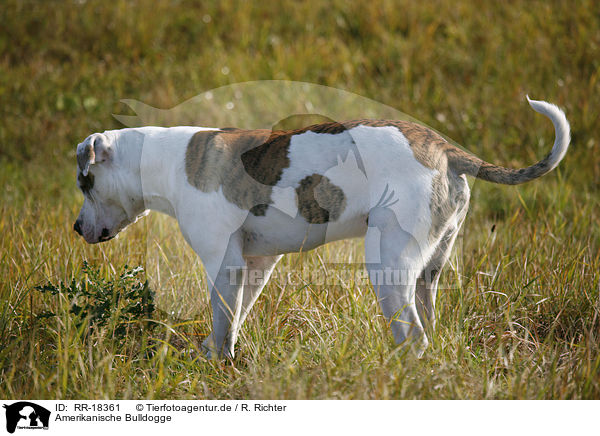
x=86, y=183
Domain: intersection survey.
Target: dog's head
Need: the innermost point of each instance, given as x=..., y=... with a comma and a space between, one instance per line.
x=109, y=177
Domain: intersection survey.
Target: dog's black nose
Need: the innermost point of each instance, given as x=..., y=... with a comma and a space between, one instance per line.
x=77, y=227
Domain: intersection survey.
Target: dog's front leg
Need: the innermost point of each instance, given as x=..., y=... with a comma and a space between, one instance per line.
x=226, y=279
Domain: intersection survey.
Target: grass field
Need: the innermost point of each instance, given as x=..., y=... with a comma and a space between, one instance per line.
x=520, y=315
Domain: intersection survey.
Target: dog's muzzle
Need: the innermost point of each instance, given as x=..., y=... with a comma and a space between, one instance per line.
x=104, y=236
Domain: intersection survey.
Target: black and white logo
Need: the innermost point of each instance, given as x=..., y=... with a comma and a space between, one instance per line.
x=26, y=415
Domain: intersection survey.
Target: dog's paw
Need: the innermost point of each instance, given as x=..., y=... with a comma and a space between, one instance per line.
x=211, y=352
x=420, y=347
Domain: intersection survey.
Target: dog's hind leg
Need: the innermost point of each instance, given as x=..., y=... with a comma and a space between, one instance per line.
x=427, y=284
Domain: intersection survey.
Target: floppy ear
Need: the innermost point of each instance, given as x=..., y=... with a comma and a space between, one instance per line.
x=94, y=149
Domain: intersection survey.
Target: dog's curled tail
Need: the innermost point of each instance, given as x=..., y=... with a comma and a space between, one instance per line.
x=465, y=163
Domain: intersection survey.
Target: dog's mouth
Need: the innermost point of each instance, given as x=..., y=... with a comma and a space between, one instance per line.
x=100, y=239
x=105, y=236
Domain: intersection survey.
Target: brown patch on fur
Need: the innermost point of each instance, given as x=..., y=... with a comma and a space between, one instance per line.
x=213, y=159
x=427, y=146
x=266, y=162
x=319, y=200
x=332, y=128
x=85, y=156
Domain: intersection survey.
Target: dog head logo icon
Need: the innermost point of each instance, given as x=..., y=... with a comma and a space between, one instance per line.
x=24, y=414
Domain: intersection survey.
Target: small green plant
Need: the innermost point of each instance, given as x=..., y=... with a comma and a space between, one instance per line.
x=101, y=302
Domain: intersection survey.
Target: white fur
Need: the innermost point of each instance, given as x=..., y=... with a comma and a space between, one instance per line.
x=562, y=129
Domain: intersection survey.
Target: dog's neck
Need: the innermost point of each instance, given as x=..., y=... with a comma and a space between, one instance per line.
x=155, y=175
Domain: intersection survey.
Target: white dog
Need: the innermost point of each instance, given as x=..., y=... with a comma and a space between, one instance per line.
x=244, y=197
